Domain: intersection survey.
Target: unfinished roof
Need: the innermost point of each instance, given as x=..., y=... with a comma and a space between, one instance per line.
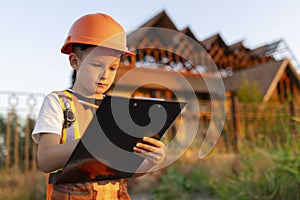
x=161, y=20
x=136, y=77
x=207, y=43
x=238, y=45
x=259, y=51
x=187, y=31
x=235, y=56
x=166, y=48
x=266, y=75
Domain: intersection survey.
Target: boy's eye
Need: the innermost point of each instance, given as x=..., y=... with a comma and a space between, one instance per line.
x=113, y=68
x=96, y=65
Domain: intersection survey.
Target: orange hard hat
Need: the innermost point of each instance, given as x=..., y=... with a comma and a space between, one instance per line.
x=99, y=30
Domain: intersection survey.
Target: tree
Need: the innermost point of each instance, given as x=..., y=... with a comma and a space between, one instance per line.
x=249, y=91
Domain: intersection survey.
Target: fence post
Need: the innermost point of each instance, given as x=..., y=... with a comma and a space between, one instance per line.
x=33, y=159
x=8, y=129
x=27, y=141
x=16, y=144
x=19, y=155
x=236, y=121
x=292, y=113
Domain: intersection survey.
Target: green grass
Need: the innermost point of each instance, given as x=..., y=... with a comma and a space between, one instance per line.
x=259, y=171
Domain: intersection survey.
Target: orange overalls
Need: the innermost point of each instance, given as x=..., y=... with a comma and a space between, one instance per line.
x=100, y=190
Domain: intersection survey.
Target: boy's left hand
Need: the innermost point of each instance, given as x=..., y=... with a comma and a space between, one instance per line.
x=152, y=150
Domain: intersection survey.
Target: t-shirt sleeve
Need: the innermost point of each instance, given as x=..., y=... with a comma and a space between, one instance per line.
x=50, y=118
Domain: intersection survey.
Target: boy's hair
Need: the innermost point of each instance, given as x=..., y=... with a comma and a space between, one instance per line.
x=79, y=49
x=73, y=78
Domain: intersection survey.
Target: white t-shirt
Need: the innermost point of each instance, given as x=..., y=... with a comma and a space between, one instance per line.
x=50, y=118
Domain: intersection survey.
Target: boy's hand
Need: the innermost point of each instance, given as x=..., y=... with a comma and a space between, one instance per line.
x=152, y=149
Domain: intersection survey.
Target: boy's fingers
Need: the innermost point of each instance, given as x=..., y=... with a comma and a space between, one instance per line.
x=147, y=147
x=153, y=142
x=150, y=149
x=146, y=154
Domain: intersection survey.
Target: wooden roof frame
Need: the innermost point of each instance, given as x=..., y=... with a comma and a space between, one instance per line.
x=285, y=64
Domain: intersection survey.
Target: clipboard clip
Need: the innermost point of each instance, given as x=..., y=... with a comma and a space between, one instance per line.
x=148, y=98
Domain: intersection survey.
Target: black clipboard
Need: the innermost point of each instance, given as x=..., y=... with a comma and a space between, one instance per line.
x=109, y=139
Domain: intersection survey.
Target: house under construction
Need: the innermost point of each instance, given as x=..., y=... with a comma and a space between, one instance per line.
x=162, y=49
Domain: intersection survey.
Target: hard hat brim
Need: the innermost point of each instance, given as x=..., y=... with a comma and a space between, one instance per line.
x=67, y=49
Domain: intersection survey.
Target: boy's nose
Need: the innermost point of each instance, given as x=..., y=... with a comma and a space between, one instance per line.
x=104, y=74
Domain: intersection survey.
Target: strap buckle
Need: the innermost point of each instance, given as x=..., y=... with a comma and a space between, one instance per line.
x=69, y=117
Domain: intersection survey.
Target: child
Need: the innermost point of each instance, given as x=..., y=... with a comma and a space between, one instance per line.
x=94, y=44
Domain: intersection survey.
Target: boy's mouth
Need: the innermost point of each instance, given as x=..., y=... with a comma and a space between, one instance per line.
x=101, y=84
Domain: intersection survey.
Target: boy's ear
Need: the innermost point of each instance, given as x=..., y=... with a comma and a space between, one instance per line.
x=74, y=61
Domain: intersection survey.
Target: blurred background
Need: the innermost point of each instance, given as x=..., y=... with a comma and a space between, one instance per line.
x=252, y=47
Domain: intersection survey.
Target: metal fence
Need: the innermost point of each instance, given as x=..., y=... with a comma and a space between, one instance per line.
x=18, y=111
x=243, y=121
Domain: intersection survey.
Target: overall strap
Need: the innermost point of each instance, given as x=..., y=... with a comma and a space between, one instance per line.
x=70, y=129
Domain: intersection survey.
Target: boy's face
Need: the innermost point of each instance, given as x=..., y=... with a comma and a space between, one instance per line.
x=96, y=71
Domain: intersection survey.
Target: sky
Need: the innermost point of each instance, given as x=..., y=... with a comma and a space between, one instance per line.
x=32, y=32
